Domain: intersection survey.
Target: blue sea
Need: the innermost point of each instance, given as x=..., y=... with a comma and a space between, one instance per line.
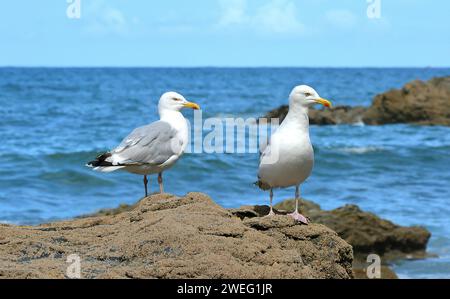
x=54, y=120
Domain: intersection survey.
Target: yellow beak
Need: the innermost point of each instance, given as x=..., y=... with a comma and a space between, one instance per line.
x=192, y=105
x=324, y=102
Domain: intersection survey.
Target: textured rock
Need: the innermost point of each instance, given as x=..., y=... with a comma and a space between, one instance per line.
x=366, y=232
x=164, y=236
x=418, y=102
x=360, y=271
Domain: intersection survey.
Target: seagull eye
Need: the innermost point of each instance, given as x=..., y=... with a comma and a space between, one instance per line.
x=176, y=99
x=308, y=94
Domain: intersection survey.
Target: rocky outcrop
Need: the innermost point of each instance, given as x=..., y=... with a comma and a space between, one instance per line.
x=366, y=232
x=329, y=116
x=418, y=102
x=164, y=236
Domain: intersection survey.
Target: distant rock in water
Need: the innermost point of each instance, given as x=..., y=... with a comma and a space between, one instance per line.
x=164, y=236
x=329, y=116
x=418, y=102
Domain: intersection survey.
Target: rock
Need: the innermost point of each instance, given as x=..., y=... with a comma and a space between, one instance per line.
x=164, y=236
x=360, y=271
x=337, y=115
x=330, y=116
x=370, y=234
x=109, y=212
x=425, y=103
x=279, y=112
x=418, y=102
x=366, y=232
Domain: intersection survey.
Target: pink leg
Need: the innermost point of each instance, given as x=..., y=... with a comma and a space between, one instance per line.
x=296, y=215
x=271, y=213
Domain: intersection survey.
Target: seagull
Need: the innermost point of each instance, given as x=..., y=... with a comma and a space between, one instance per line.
x=152, y=148
x=288, y=158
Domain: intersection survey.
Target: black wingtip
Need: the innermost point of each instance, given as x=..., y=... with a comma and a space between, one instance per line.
x=261, y=185
x=100, y=161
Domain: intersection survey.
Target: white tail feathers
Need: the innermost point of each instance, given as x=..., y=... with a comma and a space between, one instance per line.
x=108, y=168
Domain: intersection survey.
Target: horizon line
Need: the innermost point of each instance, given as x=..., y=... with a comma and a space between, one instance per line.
x=223, y=67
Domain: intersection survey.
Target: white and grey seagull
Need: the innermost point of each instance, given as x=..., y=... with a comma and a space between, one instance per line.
x=288, y=159
x=152, y=148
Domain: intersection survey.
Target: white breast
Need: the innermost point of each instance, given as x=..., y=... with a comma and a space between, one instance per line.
x=289, y=159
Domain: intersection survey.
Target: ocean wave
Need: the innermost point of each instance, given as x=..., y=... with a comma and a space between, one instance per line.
x=70, y=156
x=73, y=177
x=360, y=150
x=12, y=87
x=359, y=123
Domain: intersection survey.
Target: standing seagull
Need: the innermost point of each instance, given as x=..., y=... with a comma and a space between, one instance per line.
x=152, y=148
x=288, y=158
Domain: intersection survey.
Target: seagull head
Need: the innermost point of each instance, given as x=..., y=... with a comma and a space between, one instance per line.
x=175, y=102
x=306, y=96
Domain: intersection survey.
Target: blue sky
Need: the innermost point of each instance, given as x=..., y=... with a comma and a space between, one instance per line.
x=225, y=33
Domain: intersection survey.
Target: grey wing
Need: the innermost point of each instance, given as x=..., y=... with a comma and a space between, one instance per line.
x=152, y=144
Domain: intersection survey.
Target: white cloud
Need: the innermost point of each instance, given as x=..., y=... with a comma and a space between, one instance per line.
x=233, y=12
x=103, y=19
x=114, y=20
x=279, y=16
x=341, y=18
x=274, y=16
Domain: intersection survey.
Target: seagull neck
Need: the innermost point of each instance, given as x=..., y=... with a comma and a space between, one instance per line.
x=298, y=115
x=177, y=121
x=172, y=116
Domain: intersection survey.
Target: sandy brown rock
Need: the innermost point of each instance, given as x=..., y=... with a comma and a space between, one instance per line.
x=418, y=102
x=164, y=236
x=360, y=272
x=366, y=232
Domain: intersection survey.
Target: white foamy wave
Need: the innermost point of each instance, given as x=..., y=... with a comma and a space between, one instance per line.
x=359, y=123
x=360, y=150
